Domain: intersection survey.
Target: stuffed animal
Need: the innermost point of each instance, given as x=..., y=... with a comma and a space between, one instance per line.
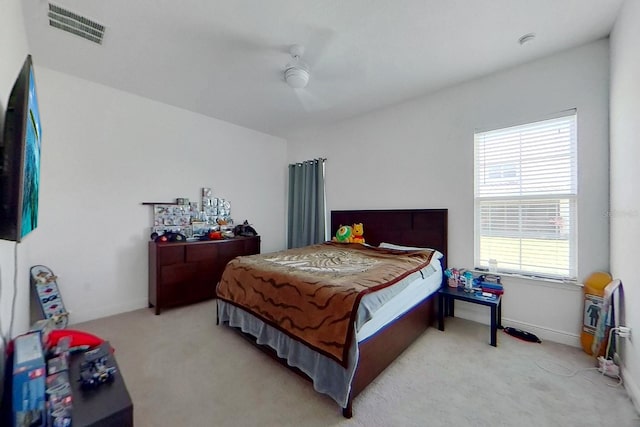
x=358, y=233
x=343, y=235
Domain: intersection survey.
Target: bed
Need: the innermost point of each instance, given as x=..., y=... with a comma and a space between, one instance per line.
x=400, y=312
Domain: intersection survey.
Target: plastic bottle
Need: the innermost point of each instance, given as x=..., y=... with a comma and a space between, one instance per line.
x=468, y=282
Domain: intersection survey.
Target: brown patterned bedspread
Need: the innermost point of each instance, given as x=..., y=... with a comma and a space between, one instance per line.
x=312, y=293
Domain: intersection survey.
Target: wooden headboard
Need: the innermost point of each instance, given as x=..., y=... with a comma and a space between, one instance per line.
x=410, y=227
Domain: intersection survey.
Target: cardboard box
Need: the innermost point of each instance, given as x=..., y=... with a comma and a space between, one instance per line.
x=28, y=385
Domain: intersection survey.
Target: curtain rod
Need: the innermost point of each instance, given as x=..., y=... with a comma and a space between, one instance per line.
x=306, y=161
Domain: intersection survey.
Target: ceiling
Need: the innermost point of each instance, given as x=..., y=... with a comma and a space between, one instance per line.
x=225, y=59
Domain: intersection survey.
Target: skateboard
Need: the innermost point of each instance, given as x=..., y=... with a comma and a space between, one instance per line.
x=45, y=285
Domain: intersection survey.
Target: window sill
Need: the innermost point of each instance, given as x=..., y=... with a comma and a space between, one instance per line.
x=538, y=280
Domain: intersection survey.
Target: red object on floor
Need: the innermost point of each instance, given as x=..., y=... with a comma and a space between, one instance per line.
x=78, y=338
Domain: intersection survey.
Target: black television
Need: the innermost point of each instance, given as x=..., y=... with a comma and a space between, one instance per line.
x=20, y=159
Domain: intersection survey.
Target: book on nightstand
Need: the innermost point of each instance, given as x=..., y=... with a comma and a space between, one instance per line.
x=492, y=288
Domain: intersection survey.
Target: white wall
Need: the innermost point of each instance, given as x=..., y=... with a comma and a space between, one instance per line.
x=419, y=154
x=104, y=152
x=625, y=175
x=13, y=51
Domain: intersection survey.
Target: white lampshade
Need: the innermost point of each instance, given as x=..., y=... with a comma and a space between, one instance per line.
x=296, y=77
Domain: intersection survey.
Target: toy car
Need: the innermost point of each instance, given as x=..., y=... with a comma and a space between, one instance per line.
x=94, y=370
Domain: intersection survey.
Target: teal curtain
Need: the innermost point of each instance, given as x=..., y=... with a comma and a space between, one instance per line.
x=307, y=215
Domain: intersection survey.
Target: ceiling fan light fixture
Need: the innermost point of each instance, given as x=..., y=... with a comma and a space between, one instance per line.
x=296, y=77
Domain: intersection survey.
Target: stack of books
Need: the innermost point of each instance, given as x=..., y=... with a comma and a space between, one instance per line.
x=492, y=288
x=490, y=283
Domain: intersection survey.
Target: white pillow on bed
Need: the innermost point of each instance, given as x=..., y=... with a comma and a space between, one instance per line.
x=385, y=245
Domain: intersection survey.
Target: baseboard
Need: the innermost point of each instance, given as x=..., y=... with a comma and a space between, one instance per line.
x=481, y=315
x=545, y=333
x=632, y=388
x=91, y=313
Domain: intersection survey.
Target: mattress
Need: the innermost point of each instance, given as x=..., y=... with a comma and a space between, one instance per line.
x=328, y=376
x=426, y=282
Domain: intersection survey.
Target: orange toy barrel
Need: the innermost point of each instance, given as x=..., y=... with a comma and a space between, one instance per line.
x=593, y=297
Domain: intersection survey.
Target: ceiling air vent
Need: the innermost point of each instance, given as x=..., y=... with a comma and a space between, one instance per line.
x=75, y=24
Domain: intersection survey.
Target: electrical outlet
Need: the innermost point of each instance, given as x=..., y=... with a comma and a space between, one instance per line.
x=624, y=332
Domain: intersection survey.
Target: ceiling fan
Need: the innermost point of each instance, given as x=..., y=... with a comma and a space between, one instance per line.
x=296, y=72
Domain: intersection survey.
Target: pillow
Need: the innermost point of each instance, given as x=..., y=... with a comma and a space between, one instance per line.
x=385, y=245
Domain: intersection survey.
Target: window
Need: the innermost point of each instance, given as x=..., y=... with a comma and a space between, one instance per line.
x=525, y=197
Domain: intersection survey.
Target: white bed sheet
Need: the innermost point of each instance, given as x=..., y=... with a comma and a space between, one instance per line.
x=402, y=302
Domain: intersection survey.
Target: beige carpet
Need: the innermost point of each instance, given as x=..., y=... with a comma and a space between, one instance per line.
x=183, y=370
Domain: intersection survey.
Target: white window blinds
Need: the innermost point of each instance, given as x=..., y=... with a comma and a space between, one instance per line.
x=525, y=197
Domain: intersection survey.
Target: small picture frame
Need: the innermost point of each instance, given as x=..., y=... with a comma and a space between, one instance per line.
x=199, y=228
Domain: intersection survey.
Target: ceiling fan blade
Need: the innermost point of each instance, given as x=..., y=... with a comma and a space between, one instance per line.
x=309, y=101
x=316, y=47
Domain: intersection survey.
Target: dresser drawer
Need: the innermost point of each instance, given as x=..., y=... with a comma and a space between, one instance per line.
x=169, y=254
x=178, y=273
x=197, y=253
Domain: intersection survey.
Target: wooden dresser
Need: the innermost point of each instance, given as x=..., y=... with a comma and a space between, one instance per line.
x=184, y=273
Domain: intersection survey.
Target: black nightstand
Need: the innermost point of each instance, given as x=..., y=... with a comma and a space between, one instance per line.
x=107, y=405
x=447, y=295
